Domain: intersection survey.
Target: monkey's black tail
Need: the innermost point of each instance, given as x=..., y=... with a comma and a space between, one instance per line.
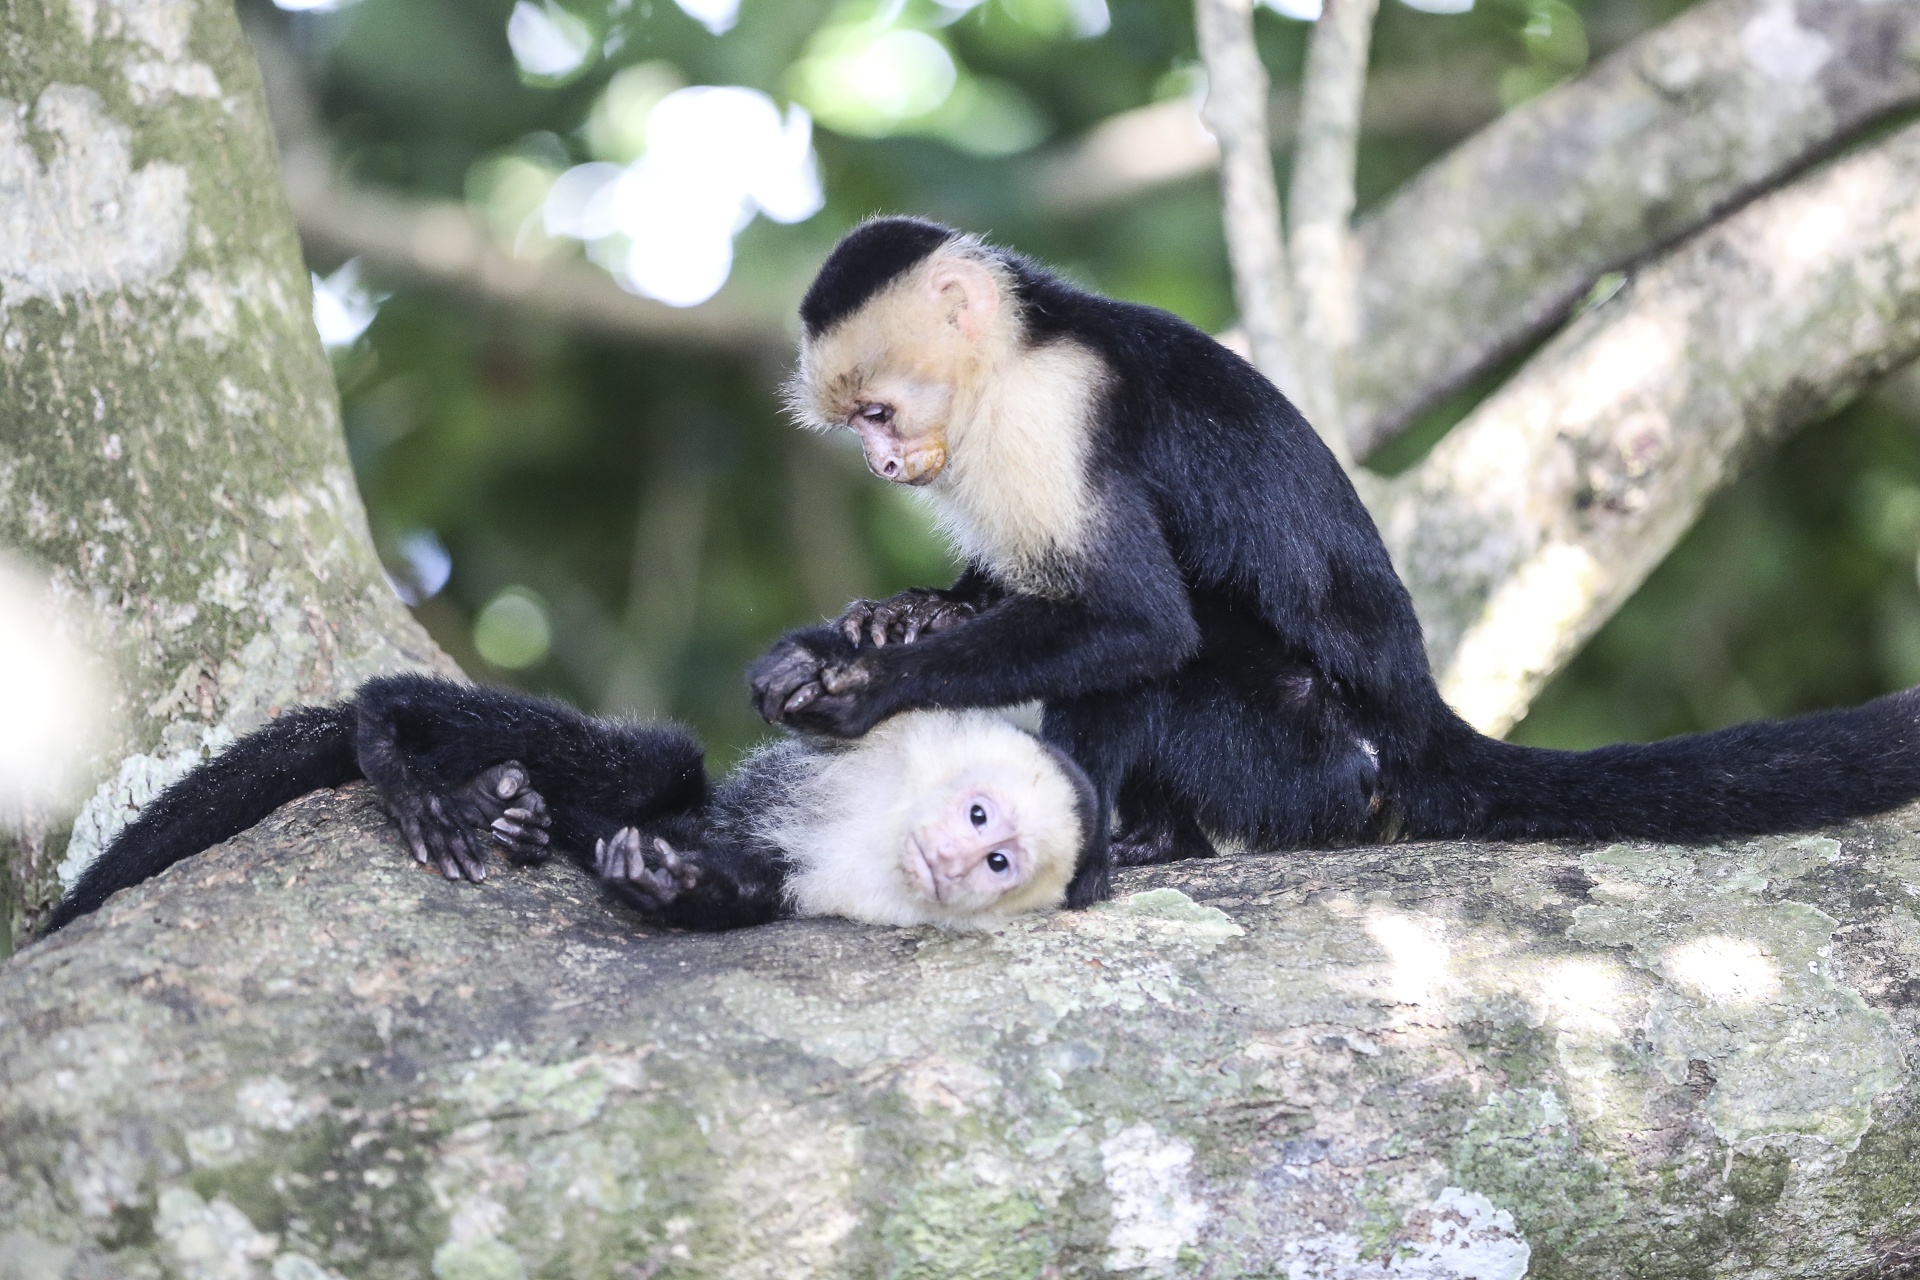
x=1751, y=779
x=304, y=750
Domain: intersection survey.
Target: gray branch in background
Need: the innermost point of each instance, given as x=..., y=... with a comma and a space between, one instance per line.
x=1320, y=203
x=442, y=244
x=1236, y=112
x=1540, y=513
x=1494, y=244
x=1131, y=153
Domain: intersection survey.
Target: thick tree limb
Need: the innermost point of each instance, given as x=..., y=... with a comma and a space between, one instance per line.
x=1538, y=515
x=1320, y=203
x=1235, y=111
x=1494, y=244
x=170, y=449
x=301, y=1056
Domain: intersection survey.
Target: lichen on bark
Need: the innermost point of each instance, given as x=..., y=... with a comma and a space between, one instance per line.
x=300, y=1055
x=169, y=440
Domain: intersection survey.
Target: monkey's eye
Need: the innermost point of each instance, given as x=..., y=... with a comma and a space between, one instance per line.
x=997, y=862
x=878, y=415
x=978, y=817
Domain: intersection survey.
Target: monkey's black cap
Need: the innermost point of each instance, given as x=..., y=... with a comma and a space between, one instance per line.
x=867, y=259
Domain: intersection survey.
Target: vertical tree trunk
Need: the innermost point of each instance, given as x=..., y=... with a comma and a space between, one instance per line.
x=169, y=432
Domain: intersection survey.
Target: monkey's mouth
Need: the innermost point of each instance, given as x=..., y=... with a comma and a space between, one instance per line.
x=922, y=867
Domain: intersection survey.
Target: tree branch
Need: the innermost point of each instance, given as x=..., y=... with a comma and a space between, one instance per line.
x=297, y=1055
x=1494, y=244
x=1539, y=515
x=1236, y=111
x=440, y=244
x=1320, y=203
x=1134, y=151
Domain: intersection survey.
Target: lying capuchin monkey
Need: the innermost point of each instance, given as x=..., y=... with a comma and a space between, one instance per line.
x=1161, y=549
x=950, y=818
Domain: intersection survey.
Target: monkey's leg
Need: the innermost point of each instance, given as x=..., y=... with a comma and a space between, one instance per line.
x=1156, y=825
x=1276, y=772
x=408, y=730
x=463, y=769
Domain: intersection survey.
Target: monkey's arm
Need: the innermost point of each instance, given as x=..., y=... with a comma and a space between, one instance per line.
x=905, y=617
x=1127, y=619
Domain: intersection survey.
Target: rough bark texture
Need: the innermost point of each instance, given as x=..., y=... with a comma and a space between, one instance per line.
x=1495, y=243
x=1538, y=516
x=301, y=1056
x=169, y=437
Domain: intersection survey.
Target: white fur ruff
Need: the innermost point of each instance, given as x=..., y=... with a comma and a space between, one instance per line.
x=846, y=823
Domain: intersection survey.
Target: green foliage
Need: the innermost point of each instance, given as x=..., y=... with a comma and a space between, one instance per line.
x=652, y=500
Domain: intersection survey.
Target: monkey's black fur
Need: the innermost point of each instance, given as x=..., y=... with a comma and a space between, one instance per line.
x=872, y=256
x=435, y=751
x=1237, y=654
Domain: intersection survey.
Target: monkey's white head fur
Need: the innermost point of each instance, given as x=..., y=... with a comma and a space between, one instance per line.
x=871, y=830
x=936, y=376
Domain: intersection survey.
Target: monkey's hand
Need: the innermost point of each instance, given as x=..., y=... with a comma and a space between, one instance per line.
x=450, y=830
x=797, y=686
x=646, y=873
x=901, y=619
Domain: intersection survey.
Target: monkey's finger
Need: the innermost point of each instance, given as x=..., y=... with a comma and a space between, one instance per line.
x=680, y=872
x=533, y=806
x=510, y=779
x=853, y=623
x=799, y=698
x=410, y=832
x=509, y=832
x=467, y=853
x=948, y=615
x=845, y=679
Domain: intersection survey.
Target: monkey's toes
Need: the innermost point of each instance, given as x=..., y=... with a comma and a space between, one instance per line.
x=855, y=621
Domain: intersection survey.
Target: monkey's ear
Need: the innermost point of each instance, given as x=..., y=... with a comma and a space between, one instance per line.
x=969, y=288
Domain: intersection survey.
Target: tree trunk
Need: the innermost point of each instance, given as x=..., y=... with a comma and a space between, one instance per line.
x=169, y=433
x=301, y=1056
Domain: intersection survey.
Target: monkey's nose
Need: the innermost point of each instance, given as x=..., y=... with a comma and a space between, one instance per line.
x=891, y=469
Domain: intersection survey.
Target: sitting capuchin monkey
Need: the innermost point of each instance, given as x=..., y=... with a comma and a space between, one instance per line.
x=1161, y=549
x=958, y=819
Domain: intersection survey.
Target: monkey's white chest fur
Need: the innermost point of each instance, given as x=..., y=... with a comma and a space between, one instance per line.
x=1015, y=494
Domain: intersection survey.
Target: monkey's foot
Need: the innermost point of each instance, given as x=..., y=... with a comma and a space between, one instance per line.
x=1152, y=845
x=501, y=802
x=648, y=873
x=450, y=831
x=903, y=618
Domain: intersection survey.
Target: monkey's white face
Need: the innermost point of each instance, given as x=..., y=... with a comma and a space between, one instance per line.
x=902, y=424
x=891, y=372
x=969, y=854
x=954, y=818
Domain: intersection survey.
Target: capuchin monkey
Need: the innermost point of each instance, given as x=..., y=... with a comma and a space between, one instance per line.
x=950, y=818
x=1161, y=549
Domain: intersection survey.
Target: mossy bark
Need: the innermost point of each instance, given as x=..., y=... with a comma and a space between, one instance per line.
x=169, y=439
x=299, y=1055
